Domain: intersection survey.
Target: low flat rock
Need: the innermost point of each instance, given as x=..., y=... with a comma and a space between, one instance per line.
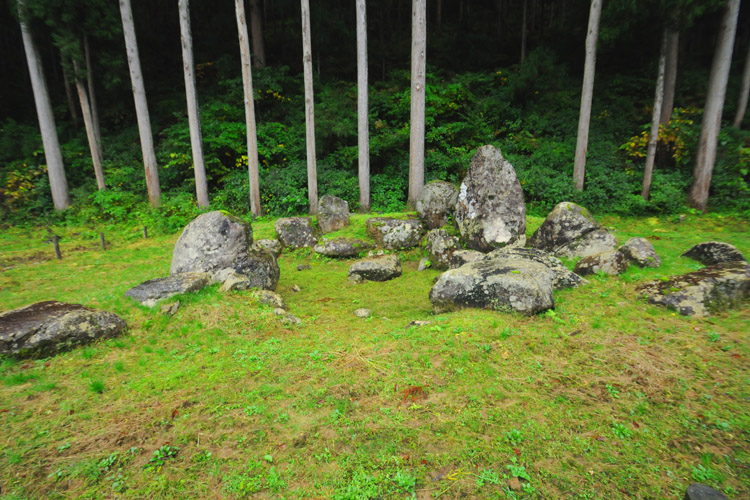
x=571, y=231
x=523, y=286
x=296, y=232
x=333, y=214
x=461, y=257
x=436, y=203
x=563, y=277
x=440, y=247
x=612, y=263
x=152, y=291
x=47, y=328
x=272, y=246
x=709, y=253
x=698, y=491
x=395, y=234
x=341, y=247
x=235, y=282
x=381, y=268
x=640, y=252
x=700, y=293
x=270, y=298
x=593, y=243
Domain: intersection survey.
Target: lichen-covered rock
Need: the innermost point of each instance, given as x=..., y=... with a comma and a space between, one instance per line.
x=436, y=203
x=341, y=247
x=212, y=241
x=296, y=232
x=490, y=211
x=272, y=246
x=47, y=328
x=523, y=286
x=235, y=282
x=152, y=291
x=395, y=234
x=382, y=268
x=563, y=277
x=612, y=263
x=269, y=298
x=288, y=318
x=709, y=253
x=461, y=257
x=440, y=247
x=571, y=231
x=333, y=214
x=714, y=288
x=640, y=252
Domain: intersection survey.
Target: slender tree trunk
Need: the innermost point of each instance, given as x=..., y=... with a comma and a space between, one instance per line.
x=523, y=33
x=312, y=172
x=69, y=96
x=188, y=66
x=670, y=75
x=363, y=122
x=418, y=82
x=92, y=95
x=587, y=94
x=52, y=154
x=256, y=31
x=717, y=87
x=744, y=92
x=252, y=137
x=141, y=106
x=88, y=123
x=653, y=137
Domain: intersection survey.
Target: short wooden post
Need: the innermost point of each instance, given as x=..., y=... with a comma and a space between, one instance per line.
x=145, y=232
x=101, y=240
x=56, y=242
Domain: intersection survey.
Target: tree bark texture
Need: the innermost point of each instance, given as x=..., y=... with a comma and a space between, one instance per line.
x=312, y=172
x=705, y=156
x=363, y=122
x=587, y=94
x=141, y=106
x=92, y=95
x=88, y=123
x=653, y=137
x=418, y=81
x=256, y=31
x=670, y=75
x=69, y=96
x=744, y=92
x=188, y=66
x=252, y=137
x=52, y=154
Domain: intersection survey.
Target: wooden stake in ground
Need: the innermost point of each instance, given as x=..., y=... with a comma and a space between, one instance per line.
x=102, y=241
x=55, y=240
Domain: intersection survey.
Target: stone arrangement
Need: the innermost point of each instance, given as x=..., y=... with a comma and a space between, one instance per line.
x=333, y=214
x=395, y=234
x=437, y=203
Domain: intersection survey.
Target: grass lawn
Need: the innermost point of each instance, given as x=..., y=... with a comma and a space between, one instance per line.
x=607, y=397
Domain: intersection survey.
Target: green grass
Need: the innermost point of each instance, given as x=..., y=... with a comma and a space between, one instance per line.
x=606, y=397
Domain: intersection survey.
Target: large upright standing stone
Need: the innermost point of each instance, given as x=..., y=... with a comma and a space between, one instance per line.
x=333, y=214
x=490, y=211
x=571, y=231
x=436, y=203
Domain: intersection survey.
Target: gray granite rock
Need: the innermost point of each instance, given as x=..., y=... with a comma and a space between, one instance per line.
x=440, y=247
x=563, y=277
x=47, y=328
x=461, y=257
x=395, y=234
x=269, y=298
x=702, y=492
x=612, y=263
x=362, y=312
x=296, y=232
x=266, y=245
x=709, y=253
x=383, y=268
x=333, y=214
x=437, y=203
x=286, y=317
x=640, y=252
x=490, y=211
x=341, y=247
x=235, y=282
x=571, y=231
x=152, y=291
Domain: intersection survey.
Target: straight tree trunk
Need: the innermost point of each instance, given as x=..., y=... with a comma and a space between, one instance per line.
x=653, y=137
x=252, y=137
x=711, y=124
x=88, y=123
x=188, y=66
x=744, y=92
x=141, y=106
x=92, y=95
x=52, y=154
x=256, y=31
x=69, y=97
x=670, y=75
x=418, y=81
x=312, y=172
x=587, y=94
x=363, y=122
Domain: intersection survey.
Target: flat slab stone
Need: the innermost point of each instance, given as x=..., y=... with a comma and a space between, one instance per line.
x=524, y=286
x=709, y=253
x=395, y=234
x=47, y=328
x=152, y=291
x=341, y=247
x=612, y=263
x=563, y=277
x=700, y=293
x=381, y=268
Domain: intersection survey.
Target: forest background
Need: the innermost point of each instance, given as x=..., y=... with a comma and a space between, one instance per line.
x=499, y=72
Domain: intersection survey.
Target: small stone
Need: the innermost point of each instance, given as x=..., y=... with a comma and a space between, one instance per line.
x=640, y=252
x=681, y=218
x=267, y=245
x=269, y=298
x=702, y=492
x=296, y=288
x=236, y=282
x=170, y=309
x=424, y=263
x=514, y=484
x=418, y=322
x=286, y=317
x=382, y=268
x=303, y=267
x=362, y=312
x=355, y=279
x=612, y=263
x=296, y=232
x=341, y=247
x=395, y=234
